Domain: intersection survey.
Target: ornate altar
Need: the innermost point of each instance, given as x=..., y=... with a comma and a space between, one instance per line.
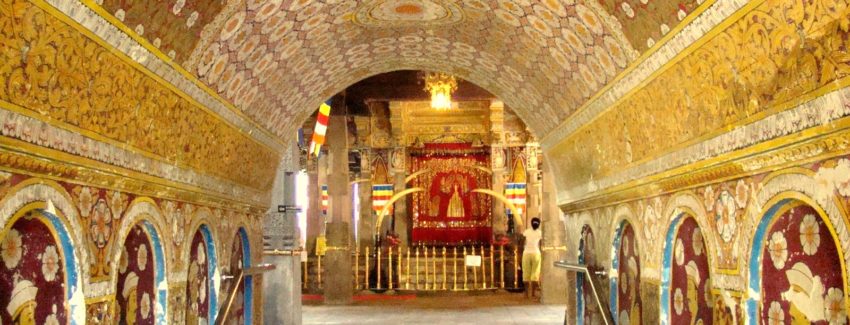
x=448, y=212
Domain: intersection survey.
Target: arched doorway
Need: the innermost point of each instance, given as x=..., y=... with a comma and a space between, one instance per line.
x=587, y=311
x=201, y=306
x=38, y=273
x=141, y=269
x=796, y=268
x=240, y=311
x=685, y=280
x=625, y=285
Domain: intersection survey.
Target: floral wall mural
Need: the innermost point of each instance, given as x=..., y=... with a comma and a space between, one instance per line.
x=628, y=269
x=198, y=287
x=744, y=222
x=588, y=311
x=801, y=279
x=111, y=227
x=135, y=293
x=32, y=277
x=689, y=288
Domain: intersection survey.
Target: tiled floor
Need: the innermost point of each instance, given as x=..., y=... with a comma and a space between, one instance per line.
x=485, y=309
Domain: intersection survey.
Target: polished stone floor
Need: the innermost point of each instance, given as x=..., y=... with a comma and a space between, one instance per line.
x=502, y=308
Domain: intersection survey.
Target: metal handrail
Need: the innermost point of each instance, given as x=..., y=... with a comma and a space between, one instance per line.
x=239, y=277
x=580, y=268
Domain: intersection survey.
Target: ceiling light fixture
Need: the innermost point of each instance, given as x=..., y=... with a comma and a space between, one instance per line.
x=440, y=86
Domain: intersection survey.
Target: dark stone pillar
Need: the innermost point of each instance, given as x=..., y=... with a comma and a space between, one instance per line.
x=282, y=286
x=339, y=288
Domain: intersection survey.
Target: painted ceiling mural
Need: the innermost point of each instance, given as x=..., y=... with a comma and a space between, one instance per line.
x=645, y=22
x=172, y=26
x=277, y=60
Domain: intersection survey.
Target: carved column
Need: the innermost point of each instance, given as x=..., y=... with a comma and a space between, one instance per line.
x=497, y=155
x=398, y=168
x=282, y=286
x=339, y=287
x=366, y=226
x=315, y=221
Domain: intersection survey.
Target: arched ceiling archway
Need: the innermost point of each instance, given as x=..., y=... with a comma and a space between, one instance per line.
x=277, y=60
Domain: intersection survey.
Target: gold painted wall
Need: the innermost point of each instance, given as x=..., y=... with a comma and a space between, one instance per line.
x=52, y=71
x=100, y=219
x=110, y=144
x=772, y=57
x=728, y=213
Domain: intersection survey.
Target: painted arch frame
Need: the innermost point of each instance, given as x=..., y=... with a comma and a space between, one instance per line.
x=38, y=194
x=248, y=285
x=777, y=206
x=145, y=213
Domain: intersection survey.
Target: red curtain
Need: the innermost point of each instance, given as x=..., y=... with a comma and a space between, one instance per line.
x=452, y=171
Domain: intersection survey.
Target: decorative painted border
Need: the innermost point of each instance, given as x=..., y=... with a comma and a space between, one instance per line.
x=114, y=155
x=248, y=284
x=614, y=274
x=823, y=110
x=754, y=285
x=213, y=274
x=666, y=265
x=159, y=274
x=641, y=72
x=74, y=291
x=141, y=54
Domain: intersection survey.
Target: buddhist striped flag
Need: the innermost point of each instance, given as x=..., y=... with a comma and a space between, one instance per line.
x=381, y=194
x=515, y=192
x=321, y=128
x=324, y=199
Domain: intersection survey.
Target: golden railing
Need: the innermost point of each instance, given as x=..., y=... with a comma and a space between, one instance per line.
x=426, y=268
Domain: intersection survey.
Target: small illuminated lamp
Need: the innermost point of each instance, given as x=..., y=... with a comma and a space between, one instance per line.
x=440, y=86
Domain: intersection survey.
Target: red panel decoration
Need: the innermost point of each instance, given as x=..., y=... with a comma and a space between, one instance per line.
x=32, y=279
x=801, y=278
x=135, y=293
x=690, y=284
x=237, y=310
x=448, y=212
x=628, y=300
x=197, y=287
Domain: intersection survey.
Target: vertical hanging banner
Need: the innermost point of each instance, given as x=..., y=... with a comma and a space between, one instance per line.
x=381, y=194
x=515, y=192
x=321, y=128
x=324, y=200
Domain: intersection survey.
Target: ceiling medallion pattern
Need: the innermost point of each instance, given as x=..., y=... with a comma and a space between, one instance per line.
x=278, y=60
x=402, y=13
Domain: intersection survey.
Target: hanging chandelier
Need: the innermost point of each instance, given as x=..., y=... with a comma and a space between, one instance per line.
x=440, y=86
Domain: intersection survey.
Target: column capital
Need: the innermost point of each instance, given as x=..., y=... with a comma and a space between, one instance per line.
x=279, y=232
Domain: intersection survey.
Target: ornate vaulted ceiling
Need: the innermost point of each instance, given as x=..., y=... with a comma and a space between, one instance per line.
x=276, y=60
